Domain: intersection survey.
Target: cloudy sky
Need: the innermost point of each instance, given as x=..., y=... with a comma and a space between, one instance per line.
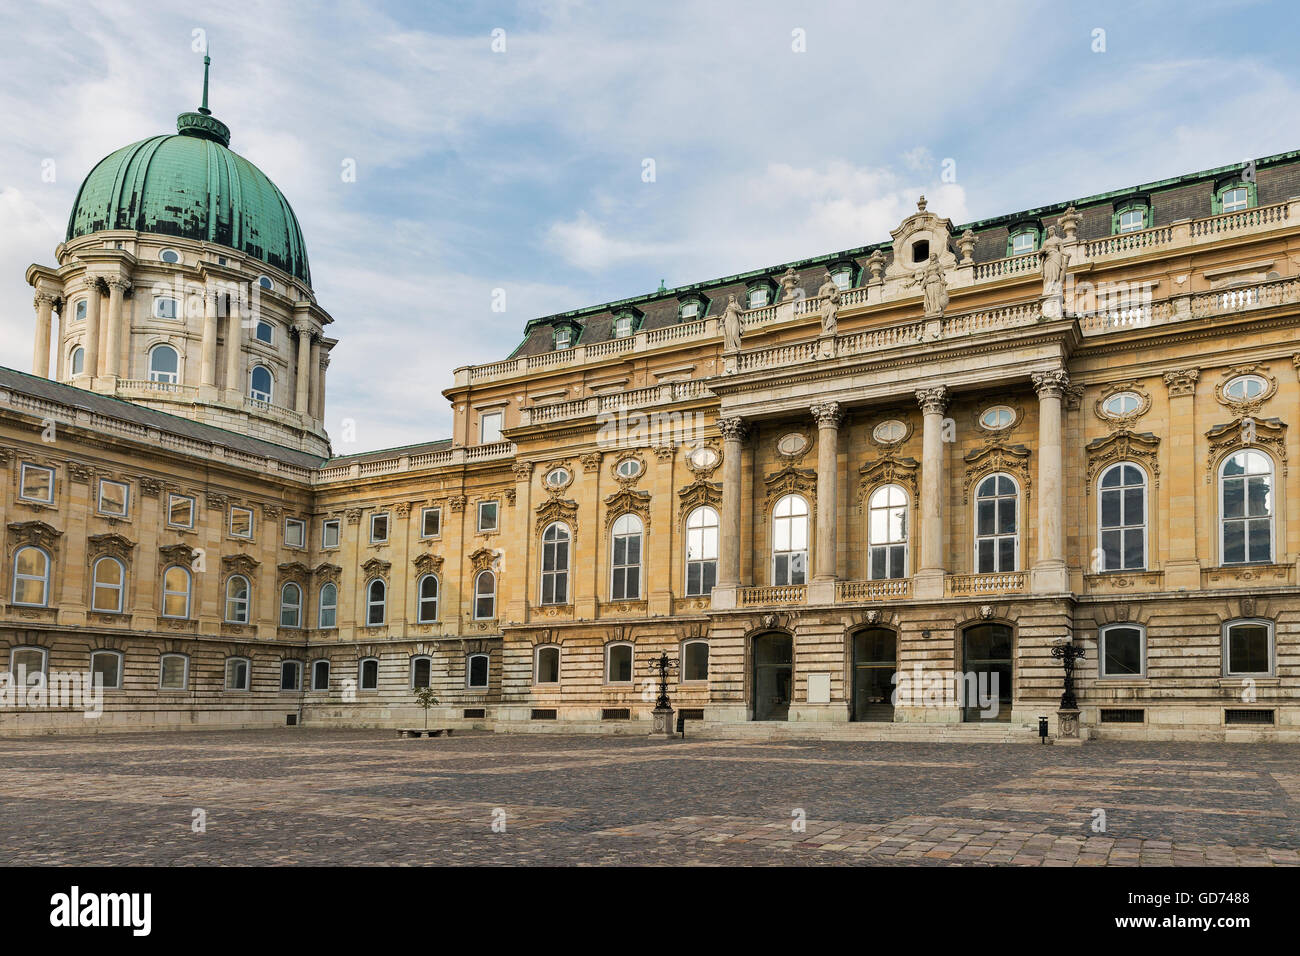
x=521, y=169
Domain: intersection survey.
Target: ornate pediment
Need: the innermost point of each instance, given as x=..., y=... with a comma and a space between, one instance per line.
x=482, y=559
x=426, y=562
x=699, y=492
x=998, y=457
x=1123, y=445
x=181, y=554
x=1245, y=432
x=558, y=509
x=328, y=572
x=789, y=480
x=376, y=566
x=110, y=543
x=627, y=500
x=244, y=563
x=294, y=569
x=34, y=532
x=889, y=469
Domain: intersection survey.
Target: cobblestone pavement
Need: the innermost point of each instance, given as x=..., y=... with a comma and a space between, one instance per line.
x=364, y=797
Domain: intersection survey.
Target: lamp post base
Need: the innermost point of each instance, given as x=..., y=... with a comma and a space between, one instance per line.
x=1067, y=725
x=663, y=722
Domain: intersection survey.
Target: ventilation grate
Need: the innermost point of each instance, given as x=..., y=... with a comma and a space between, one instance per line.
x=692, y=713
x=472, y=712
x=1242, y=715
x=1118, y=715
x=544, y=714
x=616, y=713
x=291, y=720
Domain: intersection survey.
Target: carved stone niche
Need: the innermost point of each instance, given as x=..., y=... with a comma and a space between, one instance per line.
x=1013, y=459
x=1268, y=434
x=38, y=533
x=889, y=469
x=426, y=563
x=1123, y=445
x=920, y=235
x=111, y=544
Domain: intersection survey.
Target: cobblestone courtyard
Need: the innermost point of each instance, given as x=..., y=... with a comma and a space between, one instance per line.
x=364, y=797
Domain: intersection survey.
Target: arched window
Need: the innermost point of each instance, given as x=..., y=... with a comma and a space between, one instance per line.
x=1246, y=508
x=320, y=675
x=368, y=673
x=555, y=563
x=291, y=605
x=485, y=596
x=376, y=601
x=327, y=608
x=421, y=672
x=264, y=332
x=173, y=672
x=997, y=544
x=618, y=663
x=176, y=592
x=108, y=582
x=476, y=672
x=164, y=364
x=261, y=385
x=25, y=662
x=887, y=533
x=237, y=603
x=238, y=673
x=625, y=564
x=427, y=612
x=291, y=675
x=1248, y=649
x=1122, y=513
x=106, y=669
x=78, y=360
x=1122, y=651
x=31, y=577
x=547, y=669
x=790, y=541
x=701, y=550
x=695, y=660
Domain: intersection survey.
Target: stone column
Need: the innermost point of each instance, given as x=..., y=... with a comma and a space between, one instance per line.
x=1183, y=569
x=234, y=358
x=44, y=303
x=313, y=400
x=117, y=287
x=828, y=417
x=91, y=341
x=320, y=388
x=733, y=441
x=1049, y=571
x=929, y=577
x=208, y=372
x=305, y=335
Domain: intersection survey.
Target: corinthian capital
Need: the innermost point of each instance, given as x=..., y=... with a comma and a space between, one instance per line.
x=827, y=414
x=932, y=400
x=1182, y=381
x=117, y=284
x=1050, y=384
x=733, y=429
x=43, y=298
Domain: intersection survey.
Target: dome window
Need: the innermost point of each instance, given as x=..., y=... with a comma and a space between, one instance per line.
x=170, y=256
x=164, y=307
x=78, y=360
x=261, y=384
x=79, y=313
x=265, y=282
x=164, y=365
x=265, y=332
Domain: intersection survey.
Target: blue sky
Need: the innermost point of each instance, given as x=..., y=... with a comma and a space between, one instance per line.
x=522, y=169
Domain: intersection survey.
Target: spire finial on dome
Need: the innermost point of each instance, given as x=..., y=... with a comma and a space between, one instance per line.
x=207, y=62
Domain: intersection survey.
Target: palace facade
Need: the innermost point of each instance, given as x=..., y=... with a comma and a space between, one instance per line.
x=878, y=486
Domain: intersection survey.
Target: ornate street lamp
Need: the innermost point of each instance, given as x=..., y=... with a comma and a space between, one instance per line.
x=1067, y=652
x=663, y=710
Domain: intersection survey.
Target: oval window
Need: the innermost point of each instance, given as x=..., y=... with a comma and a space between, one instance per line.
x=265, y=282
x=997, y=418
x=628, y=468
x=1121, y=404
x=1245, y=388
x=791, y=444
x=703, y=458
x=170, y=255
x=889, y=432
x=557, y=477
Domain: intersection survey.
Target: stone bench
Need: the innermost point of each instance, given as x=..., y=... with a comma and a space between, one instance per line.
x=438, y=732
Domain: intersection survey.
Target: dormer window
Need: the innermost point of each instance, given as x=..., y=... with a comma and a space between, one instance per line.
x=1132, y=217
x=757, y=297
x=563, y=338
x=689, y=312
x=921, y=250
x=1022, y=242
x=1234, y=197
x=842, y=277
x=622, y=326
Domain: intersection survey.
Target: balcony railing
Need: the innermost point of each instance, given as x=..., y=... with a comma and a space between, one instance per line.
x=889, y=590
x=774, y=595
x=1010, y=582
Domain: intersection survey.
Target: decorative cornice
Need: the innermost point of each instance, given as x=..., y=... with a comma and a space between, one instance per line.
x=627, y=500
x=376, y=566
x=889, y=469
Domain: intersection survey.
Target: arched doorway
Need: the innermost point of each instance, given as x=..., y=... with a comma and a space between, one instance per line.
x=875, y=661
x=987, y=673
x=773, y=676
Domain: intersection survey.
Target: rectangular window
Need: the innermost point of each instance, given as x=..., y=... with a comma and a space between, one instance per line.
x=379, y=528
x=173, y=672
x=112, y=498
x=690, y=311
x=487, y=516
x=478, y=671
x=842, y=279
x=106, y=669
x=320, y=675
x=1132, y=220
x=164, y=307
x=329, y=533
x=1236, y=199
x=237, y=673
x=757, y=298
x=430, y=522
x=241, y=522
x=295, y=533
x=1021, y=243
x=1122, y=652
x=36, y=484
x=290, y=675
x=1248, y=649
x=180, y=511
x=489, y=428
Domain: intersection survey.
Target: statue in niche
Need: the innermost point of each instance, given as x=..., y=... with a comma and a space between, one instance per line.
x=831, y=296
x=731, y=325
x=1053, y=258
x=933, y=287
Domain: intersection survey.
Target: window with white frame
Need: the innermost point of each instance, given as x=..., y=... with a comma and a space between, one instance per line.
x=790, y=541
x=485, y=596
x=487, y=516
x=1122, y=515
x=476, y=672
x=1234, y=199
x=757, y=297
x=291, y=605
x=421, y=672
x=180, y=511
x=997, y=541
x=625, y=559
x=701, y=550
x=1248, y=648
x=563, y=337
x=295, y=533
x=555, y=563
x=1122, y=650
x=328, y=605
x=25, y=663
x=887, y=533
x=241, y=522
x=431, y=523
x=106, y=669
x=368, y=673
x=1023, y=242
x=376, y=602
x=842, y=277
x=489, y=428
x=695, y=661
x=1132, y=219
x=113, y=498
x=379, y=528
x=238, y=674
x=547, y=667
x=622, y=326
x=108, y=584
x=164, y=365
x=320, y=675
x=237, y=603
x=36, y=483
x=164, y=307
x=261, y=384
x=329, y=533
x=78, y=360
x=290, y=675
x=1246, y=508
x=1245, y=388
x=618, y=663
x=689, y=311
x=173, y=672
x=176, y=592
x=427, y=591
x=79, y=313
x=31, y=577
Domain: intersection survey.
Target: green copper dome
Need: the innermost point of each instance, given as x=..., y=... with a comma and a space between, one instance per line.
x=190, y=185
